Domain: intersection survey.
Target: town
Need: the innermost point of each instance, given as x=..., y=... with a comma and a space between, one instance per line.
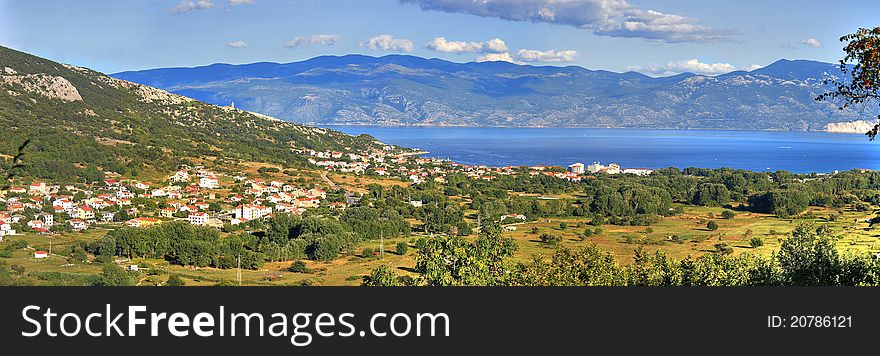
x=201, y=196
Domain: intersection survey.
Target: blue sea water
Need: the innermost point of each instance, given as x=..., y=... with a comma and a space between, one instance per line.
x=800, y=152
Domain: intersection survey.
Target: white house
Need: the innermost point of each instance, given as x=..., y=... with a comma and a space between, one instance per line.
x=41, y=254
x=77, y=224
x=250, y=212
x=576, y=168
x=198, y=218
x=209, y=182
x=6, y=229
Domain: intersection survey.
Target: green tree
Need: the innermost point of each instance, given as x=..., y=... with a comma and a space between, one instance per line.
x=861, y=70
x=383, y=276
x=712, y=225
x=298, y=267
x=402, y=247
x=174, y=281
x=756, y=242
x=113, y=275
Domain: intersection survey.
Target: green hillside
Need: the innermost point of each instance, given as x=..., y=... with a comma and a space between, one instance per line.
x=80, y=122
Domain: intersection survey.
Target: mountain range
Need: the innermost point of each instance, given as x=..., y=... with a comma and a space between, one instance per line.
x=408, y=90
x=80, y=124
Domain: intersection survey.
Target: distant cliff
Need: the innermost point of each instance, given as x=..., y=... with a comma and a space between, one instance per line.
x=408, y=90
x=858, y=126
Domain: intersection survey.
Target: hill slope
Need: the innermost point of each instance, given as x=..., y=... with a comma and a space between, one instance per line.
x=407, y=90
x=81, y=122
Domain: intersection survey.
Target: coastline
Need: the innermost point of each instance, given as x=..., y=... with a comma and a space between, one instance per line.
x=330, y=126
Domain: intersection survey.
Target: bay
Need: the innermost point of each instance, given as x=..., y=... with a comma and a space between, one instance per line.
x=800, y=152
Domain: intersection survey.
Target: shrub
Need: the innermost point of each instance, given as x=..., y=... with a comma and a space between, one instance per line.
x=174, y=281
x=367, y=252
x=728, y=214
x=723, y=248
x=402, y=248
x=712, y=225
x=756, y=242
x=298, y=267
x=550, y=239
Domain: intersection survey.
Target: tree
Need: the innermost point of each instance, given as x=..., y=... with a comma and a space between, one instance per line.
x=383, y=276
x=862, y=66
x=402, y=247
x=756, y=242
x=723, y=248
x=174, y=281
x=727, y=214
x=367, y=252
x=550, y=239
x=712, y=225
x=298, y=267
x=112, y=276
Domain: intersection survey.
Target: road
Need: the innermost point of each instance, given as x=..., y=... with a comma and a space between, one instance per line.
x=349, y=199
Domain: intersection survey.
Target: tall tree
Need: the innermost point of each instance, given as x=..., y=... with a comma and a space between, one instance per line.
x=861, y=69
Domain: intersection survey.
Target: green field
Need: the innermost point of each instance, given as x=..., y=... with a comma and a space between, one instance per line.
x=693, y=239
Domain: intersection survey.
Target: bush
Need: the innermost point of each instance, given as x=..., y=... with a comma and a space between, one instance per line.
x=756, y=242
x=727, y=214
x=174, y=281
x=367, y=252
x=563, y=226
x=550, y=239
x=113, y=275
x=723, y=248
x=298, y=267
x=325, y=250
x=402, y=248
x=712, y=225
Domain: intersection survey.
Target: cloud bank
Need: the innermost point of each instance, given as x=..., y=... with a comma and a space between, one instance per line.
x=441, y=44
x=305, y=41
x=388, y=43
x=689, y=65
x=812, y=42
x=549, y=56
x=189, y=5
x=614, y=18
x=237, y=44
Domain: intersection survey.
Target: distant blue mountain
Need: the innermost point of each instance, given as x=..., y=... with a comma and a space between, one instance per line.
x=409, y=90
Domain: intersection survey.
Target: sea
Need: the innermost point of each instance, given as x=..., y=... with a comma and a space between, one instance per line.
x=798, y=152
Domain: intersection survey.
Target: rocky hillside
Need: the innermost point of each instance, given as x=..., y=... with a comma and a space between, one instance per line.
x=407, y=90
x=81, y=122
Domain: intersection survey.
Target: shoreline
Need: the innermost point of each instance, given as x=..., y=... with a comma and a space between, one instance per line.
x=330, y=126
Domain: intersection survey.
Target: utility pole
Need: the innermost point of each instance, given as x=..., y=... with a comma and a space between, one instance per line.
x=50, y=248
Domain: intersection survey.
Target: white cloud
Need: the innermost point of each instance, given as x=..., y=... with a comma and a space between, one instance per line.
x=388, y=43
x=550, y=56
x=689, y=65
x=240, y=2
x=754, y=67
x=189, y=5
x=441, y=44
x=616, y=18
x=303, y=41
x=237, y=44
x=812, y=42
x=495, y=57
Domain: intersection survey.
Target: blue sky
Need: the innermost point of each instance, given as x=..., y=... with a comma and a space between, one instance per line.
x=651, y=36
